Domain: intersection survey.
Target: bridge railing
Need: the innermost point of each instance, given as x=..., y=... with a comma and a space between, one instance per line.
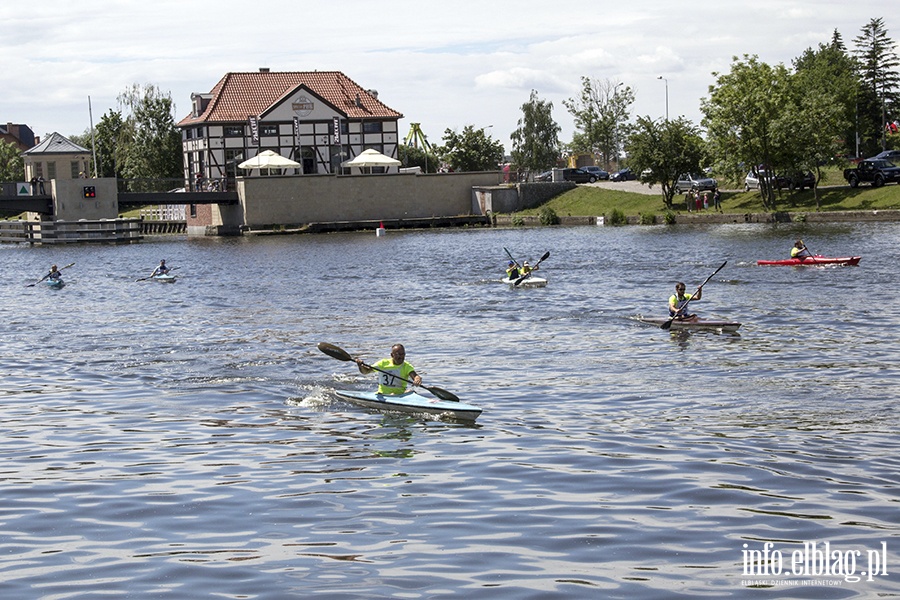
x=178, y=184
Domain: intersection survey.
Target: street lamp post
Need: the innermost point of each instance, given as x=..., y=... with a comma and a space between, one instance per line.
x=667, y=95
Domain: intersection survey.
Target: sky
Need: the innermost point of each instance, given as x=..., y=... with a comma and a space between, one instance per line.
x=444, y=66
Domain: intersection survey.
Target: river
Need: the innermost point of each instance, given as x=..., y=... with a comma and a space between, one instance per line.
x=184, y=440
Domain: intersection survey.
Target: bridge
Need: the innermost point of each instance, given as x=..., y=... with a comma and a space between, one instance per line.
x=131, y=193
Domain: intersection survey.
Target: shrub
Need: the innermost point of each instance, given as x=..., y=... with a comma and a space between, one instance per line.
x=616, y=217
x=648, y=219
x=518, y=221
x=548, y=216
x=669, y=217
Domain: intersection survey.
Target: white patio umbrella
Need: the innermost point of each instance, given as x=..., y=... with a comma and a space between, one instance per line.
x=371, y=158
x=268, y=159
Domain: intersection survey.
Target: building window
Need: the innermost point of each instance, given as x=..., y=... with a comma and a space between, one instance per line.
x=38, y=169
x=51, y=170
x=188, y=133
x=268, y=130
x=76, y=169
x=372, y=127
x=234, y=130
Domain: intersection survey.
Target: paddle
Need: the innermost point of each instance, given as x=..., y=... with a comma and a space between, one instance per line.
x=339, y=353
x=668, y=324
x=534, y=268
x=808, y=253
x=154, y=274
x=48, y=275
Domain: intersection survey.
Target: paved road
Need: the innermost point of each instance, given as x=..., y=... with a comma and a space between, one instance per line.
x=628, y=186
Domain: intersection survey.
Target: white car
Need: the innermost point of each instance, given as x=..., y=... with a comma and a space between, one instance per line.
x=695, y=183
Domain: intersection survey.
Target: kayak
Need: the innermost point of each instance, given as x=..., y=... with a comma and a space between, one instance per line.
x=697, y=325
x=811, y=261
x=412, y=402
x=164, y=278
x=530, y=282
x=55, y=284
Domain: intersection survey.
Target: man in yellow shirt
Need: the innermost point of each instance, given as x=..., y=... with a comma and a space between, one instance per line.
x=392, y=372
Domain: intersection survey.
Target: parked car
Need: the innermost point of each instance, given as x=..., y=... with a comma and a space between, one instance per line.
x=795, y=181
x=600, y=173
x=545, y=176
x=891, y=155
x=625, y=174
x=751, y=181
x=695, y=183
x=579, y=175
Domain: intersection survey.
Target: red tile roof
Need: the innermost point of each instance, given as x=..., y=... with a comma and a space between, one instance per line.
x=238, y=95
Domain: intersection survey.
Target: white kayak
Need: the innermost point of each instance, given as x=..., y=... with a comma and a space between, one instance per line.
x=412, y=402
x=164, y=278
x=529, y=282
x=695, y=325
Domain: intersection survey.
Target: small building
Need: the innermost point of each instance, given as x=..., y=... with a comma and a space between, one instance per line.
x=316, y=118
x=20, y=135
x=57, y=157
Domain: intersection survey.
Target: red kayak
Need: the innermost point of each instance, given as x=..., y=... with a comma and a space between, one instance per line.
x=811, y=261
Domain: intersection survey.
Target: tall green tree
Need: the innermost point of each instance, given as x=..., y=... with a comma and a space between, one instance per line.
x=601, y=114
x=880, y=82
x=663, y=150
x=536, y=141
x=105, y=143
x=12, y=166
x=830, y=71
x=740, y=117
x=149, y=145
x=471, y=150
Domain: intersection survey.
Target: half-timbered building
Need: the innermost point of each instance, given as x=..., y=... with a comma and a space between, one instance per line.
x=317, y=118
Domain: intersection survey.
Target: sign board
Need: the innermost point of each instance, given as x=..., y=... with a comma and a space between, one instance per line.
x=23, y=188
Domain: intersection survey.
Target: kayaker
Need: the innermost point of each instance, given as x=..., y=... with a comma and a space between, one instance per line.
x=512, y=270
x=161, y=269
x=678, y=300
x=391, y=383
x=53, y=275
x=800, y=250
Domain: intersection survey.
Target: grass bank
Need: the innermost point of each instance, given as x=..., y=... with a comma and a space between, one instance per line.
x=594, y=201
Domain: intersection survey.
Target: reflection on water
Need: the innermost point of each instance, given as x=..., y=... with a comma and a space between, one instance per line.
x=165, y=439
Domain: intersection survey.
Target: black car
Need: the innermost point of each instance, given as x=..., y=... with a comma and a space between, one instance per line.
x=600, y=173
x=891, y=155
x=795, y=181
x=545, y=176
x=579, y=176
x=625, y=174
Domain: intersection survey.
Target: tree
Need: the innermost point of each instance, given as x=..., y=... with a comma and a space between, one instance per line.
x=880, y=81
x=471, y=150
x=12, y=166
x=601, y=116
x=663, y=150
x=149, y=145
x=831, y=71
x=740, y=116
x=411, y=156
x=536, y=141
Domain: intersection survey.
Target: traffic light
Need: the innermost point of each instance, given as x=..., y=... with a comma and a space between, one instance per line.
x=89, y=191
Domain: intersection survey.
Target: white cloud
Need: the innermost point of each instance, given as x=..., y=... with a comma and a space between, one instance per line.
x=441, y=65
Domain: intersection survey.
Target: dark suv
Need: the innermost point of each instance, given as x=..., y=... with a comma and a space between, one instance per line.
x=579, y=176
